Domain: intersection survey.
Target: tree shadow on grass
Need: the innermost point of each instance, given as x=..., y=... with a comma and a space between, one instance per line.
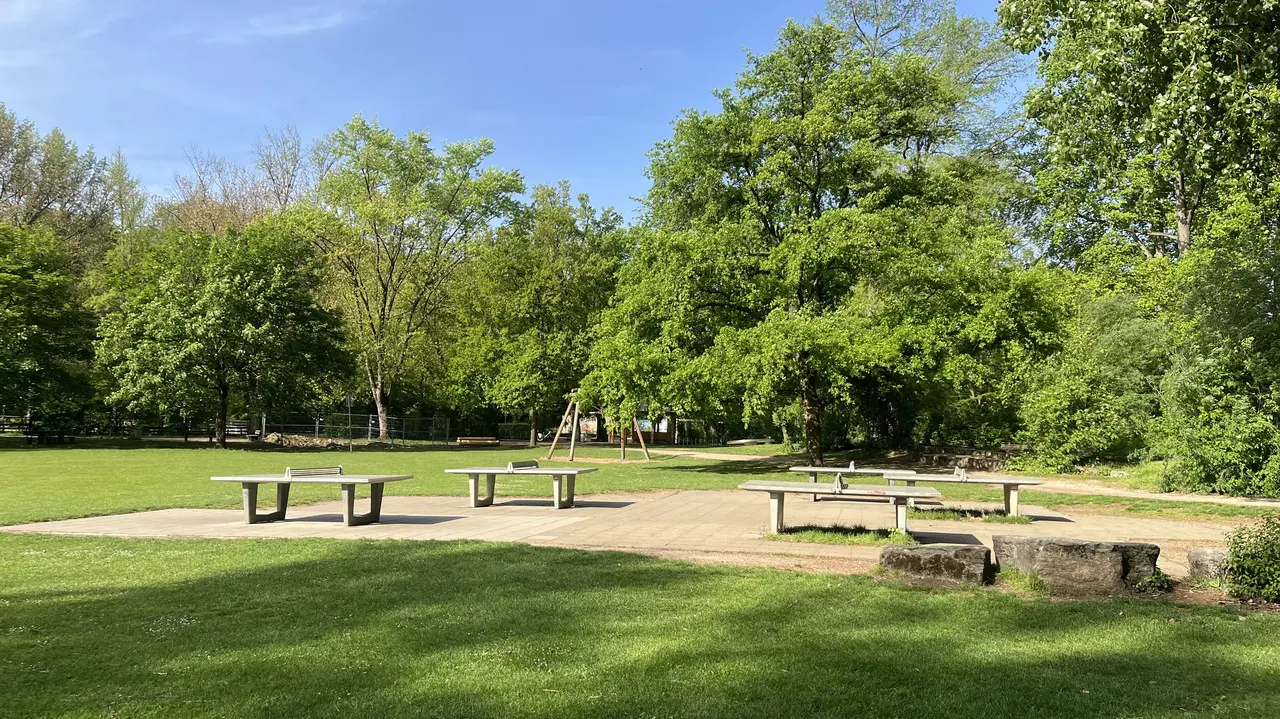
x=317, y=629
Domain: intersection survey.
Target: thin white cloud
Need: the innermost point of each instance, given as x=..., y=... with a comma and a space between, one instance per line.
x=18, y=13
x=34, y=32
x=291, y=22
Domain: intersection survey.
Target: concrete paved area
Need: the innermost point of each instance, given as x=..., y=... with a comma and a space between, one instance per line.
x=698, y=524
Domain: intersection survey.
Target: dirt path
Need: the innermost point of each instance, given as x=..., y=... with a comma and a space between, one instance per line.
x=721, y=456
x=1068, y=486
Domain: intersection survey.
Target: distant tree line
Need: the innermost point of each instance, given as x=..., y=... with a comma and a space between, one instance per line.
x=878, y=238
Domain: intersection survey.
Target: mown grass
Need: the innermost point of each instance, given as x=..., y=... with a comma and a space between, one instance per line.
x=837, y=534
x=953, y=514
x=103, y=477
x=317, y=628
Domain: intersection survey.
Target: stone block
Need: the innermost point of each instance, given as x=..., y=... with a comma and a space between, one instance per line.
x=1206, y=563
x=1077, y=566
x=942, y=563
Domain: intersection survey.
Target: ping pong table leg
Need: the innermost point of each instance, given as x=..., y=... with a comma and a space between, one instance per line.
x=349, y=515
x=282, y=499
x=813, y=478
x=473, y=480
x=1011, y=500
x=777, y=503
x=375, y=501
x=557, y=491
x=570, y=480
x=250, y=492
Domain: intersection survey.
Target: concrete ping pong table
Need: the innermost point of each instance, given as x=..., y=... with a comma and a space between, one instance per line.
x=314, y=475
x=562, y=480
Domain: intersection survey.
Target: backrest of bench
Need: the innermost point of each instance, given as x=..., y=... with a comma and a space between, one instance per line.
x=291, y=472
x=526, y=464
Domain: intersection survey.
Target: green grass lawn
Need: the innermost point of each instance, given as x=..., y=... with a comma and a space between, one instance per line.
x=952, y=514
x=316, y=628
x=838, y=534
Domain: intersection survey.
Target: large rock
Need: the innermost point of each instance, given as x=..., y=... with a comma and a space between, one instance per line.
x=1206, y=564
x=1076, y=566
x=942, y=563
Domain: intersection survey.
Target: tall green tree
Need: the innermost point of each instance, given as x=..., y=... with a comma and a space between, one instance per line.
x=529, y=299
x=1146, y=105
x=969, y=53
x=811, y=247
x=402, y=219
x=200, y=326
x=47, y=181
x=45, y=334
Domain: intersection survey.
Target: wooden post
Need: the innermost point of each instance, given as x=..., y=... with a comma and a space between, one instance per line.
x=573, y=432
x=556, y=439
x=636, y=423
x=622, y=440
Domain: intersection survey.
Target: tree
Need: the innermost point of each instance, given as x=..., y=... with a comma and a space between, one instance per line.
x=128, y=202
x=402, y=218
x=1146, y=105
x=45, y=334
x=199, y=324
x=529, y=299
x=811, y=249
x=216, y=195
x=968, y=52
x=46, y=181
x=1097, y=397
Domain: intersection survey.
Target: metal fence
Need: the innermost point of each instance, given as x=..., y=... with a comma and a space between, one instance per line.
x=360, y=427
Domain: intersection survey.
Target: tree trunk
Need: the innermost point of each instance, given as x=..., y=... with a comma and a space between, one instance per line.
x=220, y=422
x=380, y=402
x=1185, y=212
x=533, y=430
x=812, y=414
x=384, y=423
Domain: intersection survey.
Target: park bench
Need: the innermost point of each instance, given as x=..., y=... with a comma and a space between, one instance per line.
x=479, y=441
x=562, y=480
x=779, y=490
x=313, y=475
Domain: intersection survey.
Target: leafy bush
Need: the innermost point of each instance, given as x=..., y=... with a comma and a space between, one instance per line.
x=1096, y=398
x=1157, y=583
x=1219, y=436
x=1253, y=560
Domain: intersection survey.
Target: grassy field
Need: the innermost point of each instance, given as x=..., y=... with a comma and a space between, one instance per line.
x=313, y=628
x=99, y=477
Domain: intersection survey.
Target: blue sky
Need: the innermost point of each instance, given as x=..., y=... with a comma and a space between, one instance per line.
x=567, y=89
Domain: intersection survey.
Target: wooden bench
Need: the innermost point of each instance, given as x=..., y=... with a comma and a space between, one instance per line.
x=961, y=476
x=779, y=490
x=562, y=480
x=313, y=475
x=479, y=441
